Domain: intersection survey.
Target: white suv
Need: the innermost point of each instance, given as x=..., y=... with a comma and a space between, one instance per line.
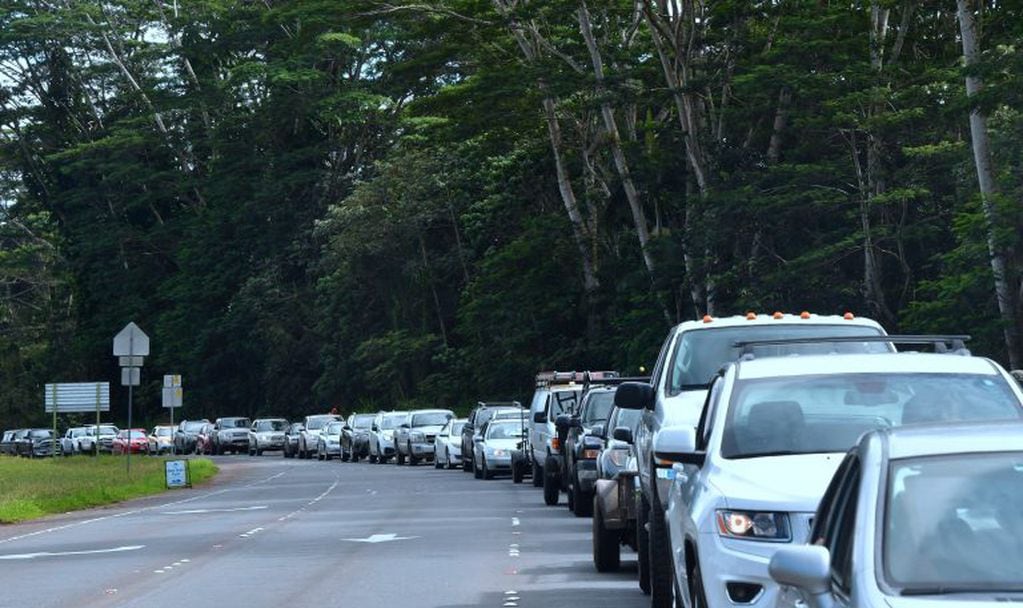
x=692, y=354
x=773, y=431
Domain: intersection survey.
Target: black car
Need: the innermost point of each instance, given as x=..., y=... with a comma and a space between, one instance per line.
x=479, y=416
x=291, y=435
x=37, y=443
x=355, y=437
x=584, y=435
x=186, y=434
x=8, y=443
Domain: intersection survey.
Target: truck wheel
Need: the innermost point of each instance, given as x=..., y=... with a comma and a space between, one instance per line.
x=537, y=474
x=660, y=560
x=466, y=465
x=583, y=506
x=399, y=457
x=551, y=484
x=642, y=546
x=487, y=473
x=372, y=459
x=476, y=472
x=517, y=472
x=607, y=544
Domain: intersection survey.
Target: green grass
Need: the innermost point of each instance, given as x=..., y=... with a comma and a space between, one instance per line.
x=34, y=488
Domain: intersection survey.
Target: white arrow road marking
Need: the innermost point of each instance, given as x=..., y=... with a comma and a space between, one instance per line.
x=63, y=553
x=379, y=538
x=197, y=511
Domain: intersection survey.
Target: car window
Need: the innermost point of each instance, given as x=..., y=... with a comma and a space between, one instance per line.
x=430, y=419
x=503, y=431
x=562, y=402
x=700, y=353
x=710, y=405
x=826, y=510
x=658, y=372
x=841, y=535
x=598, y=407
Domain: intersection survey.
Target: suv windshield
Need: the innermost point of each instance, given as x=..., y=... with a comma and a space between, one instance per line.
x=40, y=434
x=828, y=413
x=270, y=425
x=430, y=419
x=953, y=522
x=598, y=407
x=504, y=430
x=392, y=421
x=334, y=428
x=702, y=352
x=235, y=423
x=164, y=431
x=364, y=421
x=194, y=427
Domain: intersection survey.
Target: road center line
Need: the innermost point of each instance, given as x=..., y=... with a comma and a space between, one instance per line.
x=198, y=511
x=65, y=553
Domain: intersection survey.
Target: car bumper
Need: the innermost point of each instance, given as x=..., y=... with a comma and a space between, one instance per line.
x=726, y=560
x=423, y=450
x=498, y=463
x=332, y=449
x=617, y=499
x=270, y=444
x=586, y=472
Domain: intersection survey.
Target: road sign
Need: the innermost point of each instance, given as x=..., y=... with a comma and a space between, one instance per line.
x=176, y=473
x=171, y=380
x=131, y=376
x=131, y=341
x=77, y=397
x=172, y=396
x=131, y=361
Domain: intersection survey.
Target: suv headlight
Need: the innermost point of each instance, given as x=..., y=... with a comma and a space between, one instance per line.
x=754, y=525
x=416, y=436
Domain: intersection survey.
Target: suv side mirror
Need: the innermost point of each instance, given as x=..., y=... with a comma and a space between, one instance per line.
x=807, y=568
x=540, y=417
x=678, y=444
x=622, y=433
x=635, y=396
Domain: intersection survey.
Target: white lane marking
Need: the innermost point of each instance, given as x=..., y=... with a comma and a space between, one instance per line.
x=14, y=556
x=124, y=514
x=232, y=510
x=380, y=538
x=251, y=532
x=515, y=522
x=311, y=502
x=157, y=571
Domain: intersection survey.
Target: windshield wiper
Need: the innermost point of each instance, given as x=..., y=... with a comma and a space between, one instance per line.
x=950, y=589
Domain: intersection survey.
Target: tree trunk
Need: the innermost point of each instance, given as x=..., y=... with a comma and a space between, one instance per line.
x=988, y=190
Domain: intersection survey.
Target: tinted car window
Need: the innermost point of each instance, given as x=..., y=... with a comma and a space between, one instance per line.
x=598, y=407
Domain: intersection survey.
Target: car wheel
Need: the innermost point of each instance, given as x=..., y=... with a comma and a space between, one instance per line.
x=699, y=597
x=583, y=506
x=607, y=544
x=399, y=458
x=372, y=459
x=517, y=472
x=436, y=463
x=643, y=546
x=537, y=473
x=570, y=498
x=259, y=452
x=466, y=465
x=660, y=559
x=551, y=485
x=487, y=473
x=476, y=472
x=412, y=460
x=327, y=455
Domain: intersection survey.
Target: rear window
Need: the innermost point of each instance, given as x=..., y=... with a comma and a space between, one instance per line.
x=598, y=407
x=700, y=353
x=364, y=421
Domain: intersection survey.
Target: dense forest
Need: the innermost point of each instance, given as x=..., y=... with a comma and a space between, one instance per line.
x=371, y=203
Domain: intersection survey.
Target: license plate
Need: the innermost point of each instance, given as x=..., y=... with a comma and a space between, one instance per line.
x=666, y=473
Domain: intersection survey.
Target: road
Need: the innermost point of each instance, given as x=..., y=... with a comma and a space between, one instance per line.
x=276, y=532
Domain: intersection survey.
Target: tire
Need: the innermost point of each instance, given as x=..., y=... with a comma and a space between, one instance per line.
x=607, y=544
x=551, y=486
x=517, y=472
x=537, y=473
x=570, y=499
x=437, y=464
x=399, y=458
x=259, y=452
x=699, y=597
x=466, y=465
x=372, y=459
x=642, y=546
x=327, y=456
x=412, y=460
x=583, y=501
x=476, y=472
x=487, y=473
x=660, y=560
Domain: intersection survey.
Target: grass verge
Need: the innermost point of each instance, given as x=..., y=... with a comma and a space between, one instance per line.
x=33, y=488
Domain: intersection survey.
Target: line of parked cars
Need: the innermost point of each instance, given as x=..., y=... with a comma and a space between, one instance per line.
x=87, y=440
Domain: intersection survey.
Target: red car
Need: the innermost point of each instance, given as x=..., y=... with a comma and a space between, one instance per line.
x=134, y=439
x=204, y=439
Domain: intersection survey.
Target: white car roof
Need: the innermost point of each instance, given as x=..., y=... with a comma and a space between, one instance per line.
x=784, y=319
x=941, y=439
x=879, y=363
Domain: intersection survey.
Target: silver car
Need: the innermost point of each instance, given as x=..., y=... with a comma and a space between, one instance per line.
x=415, y=437
x=381, y=435
x=71, y=442
x=916, y=516
x=448, y=447
x=309, y=436
x=328, y=443
x=266, y=434
x=493, y=446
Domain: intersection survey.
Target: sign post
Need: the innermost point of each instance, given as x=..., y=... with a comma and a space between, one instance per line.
x=76, y=398
x=131, y=344
x=172, y=396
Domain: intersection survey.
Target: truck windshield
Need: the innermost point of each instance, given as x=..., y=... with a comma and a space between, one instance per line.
x=702, y=352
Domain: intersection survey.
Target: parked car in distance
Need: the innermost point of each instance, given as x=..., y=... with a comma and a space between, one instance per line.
x=7, y=442
x=161, y=440
x=479, y=416
x=204, y=439
x=232, y=435
x=309, y=436
x=449, y=444
x=381, y=435
x=582, y=436
x=415, y=437
x=750, y=476
x=130, y=440
x=556, y=393
x=103, y=436
x=328, y=443
x=690, y=356
x=37, y=443
x=355, y=437
x=291, y=436
x=930, y=513
x=493, y=447
x=186, y=434
x=70, y=443
x=266, y=434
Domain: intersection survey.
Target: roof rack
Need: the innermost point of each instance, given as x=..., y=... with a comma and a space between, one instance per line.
x=942, y=343
x=613, y=381
x=544, y=379
x=498, y=404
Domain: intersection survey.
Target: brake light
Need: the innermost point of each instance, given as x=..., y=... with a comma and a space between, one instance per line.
x=590, y=454
x=555, y=443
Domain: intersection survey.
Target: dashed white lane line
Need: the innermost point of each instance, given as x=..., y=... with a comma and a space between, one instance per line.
x=515, y=522
x=167, y=569
x=310, y=503
x=251, y=532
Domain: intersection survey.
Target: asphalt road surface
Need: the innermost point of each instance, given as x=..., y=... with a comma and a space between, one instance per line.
x=276, y=532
